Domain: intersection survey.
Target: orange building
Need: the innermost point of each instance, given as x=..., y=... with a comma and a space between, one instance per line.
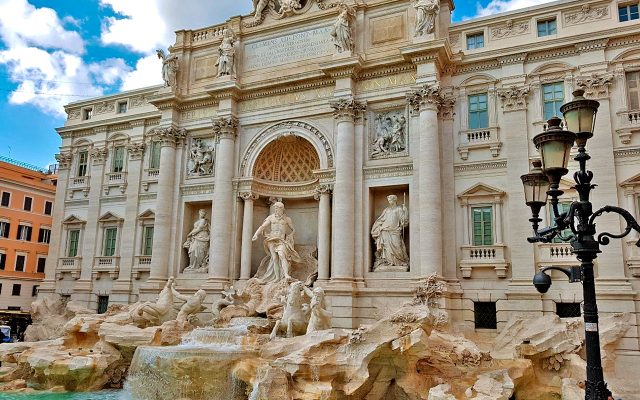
x=26, y=205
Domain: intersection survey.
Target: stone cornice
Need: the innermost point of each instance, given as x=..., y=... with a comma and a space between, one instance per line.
x=312, y=84
x=224, y=90
x=388, y=171
x=623, y=153
x=88, y=128
x=343, y=68
x=164, y=100
x=435, y=50
x=482, y=166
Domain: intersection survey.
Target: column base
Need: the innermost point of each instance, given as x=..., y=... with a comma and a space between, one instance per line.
x=215, y=284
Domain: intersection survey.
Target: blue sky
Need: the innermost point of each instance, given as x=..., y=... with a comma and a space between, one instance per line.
x=53, y=52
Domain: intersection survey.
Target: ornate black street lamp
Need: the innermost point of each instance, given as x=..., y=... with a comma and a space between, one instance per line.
x=542, y=183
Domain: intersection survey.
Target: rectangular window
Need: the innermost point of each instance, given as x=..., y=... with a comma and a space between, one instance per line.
x=109, y=247
x=24, y=233
x=20, y=261
x=44, y=235
x=478, y=111
x=475, y=41
x=4, y=229
x=147, y=245
x=34, y=291
x=122, y=107
x=485, y=315
x=0, y=287
x=48, y=207
x=28, y=202
x=15, y=291
x=562, y=208
x=482, y=226
x=118, y=159
x=14, y=308
x=633, y=90
x=553, y=99
x=72, y=245
x=87, y=113
x=628, y=12
x=83, y=160
x=3, y=261
x=546, y=28
x=41, y=263
x=568, y=310
x=154, y=157
x=6, y=199
x=103, y=304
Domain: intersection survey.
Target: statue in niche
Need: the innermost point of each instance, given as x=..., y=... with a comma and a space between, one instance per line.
x=200, y=159
x=278, y=244
x=192, y=304
x=341, y=32
x=197, y=244
x=169, y=67
x=390, y=132
x=227, y=61
x=426, y=12
x=388, y=233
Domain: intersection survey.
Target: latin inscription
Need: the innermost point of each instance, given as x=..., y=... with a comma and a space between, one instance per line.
x=387, y=29
x=285, y=99
x=205, y=67
x=200, y=113
x=386, y=82
x=288, y=49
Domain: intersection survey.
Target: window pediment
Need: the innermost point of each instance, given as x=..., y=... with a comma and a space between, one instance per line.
x=631, y=182
x=110, y=217
x=481, y=192
x=148, y=214
x=73, y=219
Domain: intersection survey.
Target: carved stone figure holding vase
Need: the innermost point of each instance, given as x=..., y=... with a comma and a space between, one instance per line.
x=426, y=12
x=198, y=244
x=388, y=232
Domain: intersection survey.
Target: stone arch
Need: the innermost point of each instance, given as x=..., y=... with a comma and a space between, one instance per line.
x=299, y=129
x=287, y=159
x=479, y=79
x=551, y=67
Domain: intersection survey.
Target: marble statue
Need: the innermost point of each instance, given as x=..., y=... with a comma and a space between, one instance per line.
x=229, y=295
x=227, y=61
x=390, y=130
x=289, y=6
x=278, y=244
x=192, y=305
x=258, y=8
x=295, y=316
x=200, y=159
x=198, y=244
x=341, y=32
x=388, y=232
x=426, y=12
x=169, y=68
x=156, y=313
x=319, y=318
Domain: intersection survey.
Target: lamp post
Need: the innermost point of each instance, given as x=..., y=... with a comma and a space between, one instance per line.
x=541, y=186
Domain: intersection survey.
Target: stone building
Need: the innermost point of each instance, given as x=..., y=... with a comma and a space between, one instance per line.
x=330, y=109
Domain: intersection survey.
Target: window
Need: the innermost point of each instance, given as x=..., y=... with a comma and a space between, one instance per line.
x=44, y=235
x=20, y=261
x=154, y=158
x=568, y=310
x=633, y=89
x=546, y=28
x=14, y=308
x=34, y=291
x=147, y=245
x=72, y=243
x=24, y=233
x=628, y=12
x=6, y=199
x=4, y=229
x=83, y=159
x=553, y=99
x=48, y=207
x=109, y=247
x=3, y=261
x=118, y=159
x=87, y=113
x=28, y=201
x=485, y=315
x=562, y=208
x=103, y=304
x=41, y=263
x=15, y=291
x=0, y=287
x=478, y=114
x=122, y=107
x=482, y=226
x=475, y=41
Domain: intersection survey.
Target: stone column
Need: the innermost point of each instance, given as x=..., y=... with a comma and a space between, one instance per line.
x=247, y=234
x=498, y=221
x=225, y=129
x=170, y=137
x=323, y=194
x=426, y=101
x=345, y=112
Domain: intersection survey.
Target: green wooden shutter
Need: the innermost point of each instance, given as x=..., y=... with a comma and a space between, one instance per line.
x=148, y=241
x=74, y=237
x=110, y=236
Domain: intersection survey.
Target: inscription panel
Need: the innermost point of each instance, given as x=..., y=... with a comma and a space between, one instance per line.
x=205, y=67
x=285, y=99
x=387, y=29
x=287, y=49
x=386, y=82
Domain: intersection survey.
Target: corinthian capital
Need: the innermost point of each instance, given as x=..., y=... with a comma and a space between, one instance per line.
x=595, y=86
x=225, y=127
x=135, y=150
x=347, y=108
x=428, y=96
x=64, y=160
x=514, y=98
x=247, y=195
x=170, y=135
x=98, y=154
x=322, y=189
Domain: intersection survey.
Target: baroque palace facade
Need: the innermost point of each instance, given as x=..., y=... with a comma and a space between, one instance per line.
x=330, y=108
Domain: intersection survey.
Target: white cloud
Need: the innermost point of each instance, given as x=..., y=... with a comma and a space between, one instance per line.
x=146, y=73
x=500, y=6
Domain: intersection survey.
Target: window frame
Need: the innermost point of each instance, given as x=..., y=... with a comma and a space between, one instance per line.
x=474, y=36
x=102, y=305
x=554, y=101
x=50, y=204
x=23, y=267
x=44, y=266
x=479, y=115
x=42, y=236
x=147, y=248
x=627, y=7
x=24, y=204
x=34, y=290
x=483, y=225
x=69, y=242
x=545, y=22
x=109, y=249
x=82, y=166
x=119, y=105
x=3, y=260
x=87, y=113
x=118, y=159
x=20, y=234
x=493, y=322
x=8, y=205
x=155, y=154
x=4, y=234
x=15, y=292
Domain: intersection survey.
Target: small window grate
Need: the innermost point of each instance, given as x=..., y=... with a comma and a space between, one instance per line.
x=485, y=315
x=568, y=310
x=103, y=304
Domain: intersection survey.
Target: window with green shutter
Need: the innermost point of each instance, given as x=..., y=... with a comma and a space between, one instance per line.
x=553, y=95
x=147, y=245
x=154, y=158
x=633, y=90
x=110, y=236
x=118, y=159
x=562, y=208
x=72, y=246
x=482, y=226
x=478, y=111
x=83, y=159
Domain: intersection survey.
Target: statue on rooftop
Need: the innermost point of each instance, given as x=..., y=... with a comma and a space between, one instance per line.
x=426, y=12
x=169, y=67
